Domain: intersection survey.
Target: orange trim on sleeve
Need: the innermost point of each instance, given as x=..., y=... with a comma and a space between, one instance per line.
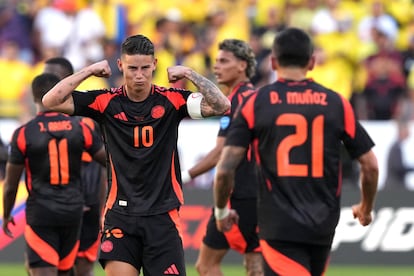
x=248, y=111
x=21, y=141
x=42, y=248
x=349, y=118
x=86, y=157
x=281, y=264
x=102, y=101
x=89, y=122
x=87, y=134
x=67, y=262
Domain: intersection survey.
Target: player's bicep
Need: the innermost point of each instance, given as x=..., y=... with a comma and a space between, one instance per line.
x=67, y=106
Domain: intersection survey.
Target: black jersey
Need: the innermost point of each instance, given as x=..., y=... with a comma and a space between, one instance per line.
x=141, y=141
x=50, y=146
x=245, y=178
x=91, y=176
x=297, y=129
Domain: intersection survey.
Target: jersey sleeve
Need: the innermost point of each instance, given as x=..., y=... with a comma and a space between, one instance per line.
x=359, y=144
x=17, y=147
x=90, y=104
x=240, y=132
x=93, y=140
x=355, y=138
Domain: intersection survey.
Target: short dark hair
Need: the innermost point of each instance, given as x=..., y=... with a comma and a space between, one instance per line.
x=242, y=51
x=63, y=62
x=292, y=47
x=137, y=45
x=41, y=84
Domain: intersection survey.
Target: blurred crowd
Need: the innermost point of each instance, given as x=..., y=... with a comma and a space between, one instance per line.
x=364, y=48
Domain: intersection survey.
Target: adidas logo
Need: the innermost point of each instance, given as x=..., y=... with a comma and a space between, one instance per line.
x=172, y=270
x=121, y=116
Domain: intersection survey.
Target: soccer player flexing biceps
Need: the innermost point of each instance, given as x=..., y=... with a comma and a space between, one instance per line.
x=49, y=148
x=140, y=126
x=235, y=65
x=298, y=127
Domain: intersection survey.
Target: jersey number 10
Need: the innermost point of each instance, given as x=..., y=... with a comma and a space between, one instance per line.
x=143, y=136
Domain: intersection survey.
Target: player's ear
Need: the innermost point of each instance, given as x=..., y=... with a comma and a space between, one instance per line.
x=274, y=63
x=119, y=63
x=311, y=63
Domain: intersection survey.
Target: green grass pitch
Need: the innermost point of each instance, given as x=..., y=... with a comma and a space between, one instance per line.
x=236, y=270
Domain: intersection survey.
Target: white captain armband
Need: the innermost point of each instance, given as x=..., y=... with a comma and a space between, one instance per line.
x=194, y=105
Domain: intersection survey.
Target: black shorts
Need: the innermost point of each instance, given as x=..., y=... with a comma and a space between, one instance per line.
x=243, y=237
x=52, y=246
x=153, y=243
x=291, y=258
x=90, y=234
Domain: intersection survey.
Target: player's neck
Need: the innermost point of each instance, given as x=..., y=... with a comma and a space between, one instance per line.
x=138, y=95
x=291, y=73
x=237, y=82
x=40, y=108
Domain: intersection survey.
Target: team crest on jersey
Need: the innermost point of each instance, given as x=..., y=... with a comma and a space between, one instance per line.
x=107, y=246
x=224, y=122
x=157, y=111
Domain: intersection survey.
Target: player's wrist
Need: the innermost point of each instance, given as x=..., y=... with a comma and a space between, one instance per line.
x=185, y=176
x=221, y=213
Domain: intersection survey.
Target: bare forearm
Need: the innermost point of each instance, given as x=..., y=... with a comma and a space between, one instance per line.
x=205, y=164
x=9, y=198
x=369, y=189
x=63, y=90
x=223, y=185
x=214, y=102
x=226, y=168
x=11, y=185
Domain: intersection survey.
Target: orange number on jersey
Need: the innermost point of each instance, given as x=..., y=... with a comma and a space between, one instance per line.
x=284, y=166
x=59, y=162
x=143, y=136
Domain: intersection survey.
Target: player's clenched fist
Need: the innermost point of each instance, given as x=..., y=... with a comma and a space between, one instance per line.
x=101, y=69
x=176, y=73
x=364, y=216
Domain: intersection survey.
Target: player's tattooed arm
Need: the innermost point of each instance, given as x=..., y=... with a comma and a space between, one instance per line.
x=214, y=102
